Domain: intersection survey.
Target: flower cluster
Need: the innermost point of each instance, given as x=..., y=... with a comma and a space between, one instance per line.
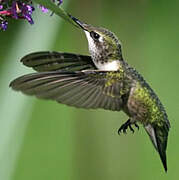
x=18, y=9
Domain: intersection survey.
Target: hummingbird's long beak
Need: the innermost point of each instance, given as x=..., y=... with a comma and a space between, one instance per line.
x=79, y=23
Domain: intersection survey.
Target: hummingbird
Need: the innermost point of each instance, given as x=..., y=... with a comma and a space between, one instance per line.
x=102, y=80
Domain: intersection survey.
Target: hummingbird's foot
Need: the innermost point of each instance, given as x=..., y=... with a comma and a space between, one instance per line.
x=127, y=125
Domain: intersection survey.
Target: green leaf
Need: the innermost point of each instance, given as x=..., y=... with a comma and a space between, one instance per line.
x=57, y=10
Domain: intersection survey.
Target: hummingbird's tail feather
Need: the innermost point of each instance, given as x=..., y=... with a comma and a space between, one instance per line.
x=159, y=136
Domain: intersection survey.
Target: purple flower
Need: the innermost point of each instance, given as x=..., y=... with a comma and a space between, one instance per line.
x=44, y=9
x=15, y=9
x=27, y=12
x=60, y=1
x=3, y=25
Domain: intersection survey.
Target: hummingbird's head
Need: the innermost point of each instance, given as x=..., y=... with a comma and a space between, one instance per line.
x=104, y=46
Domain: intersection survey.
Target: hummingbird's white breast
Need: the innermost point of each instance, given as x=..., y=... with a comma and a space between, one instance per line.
x=108, y=66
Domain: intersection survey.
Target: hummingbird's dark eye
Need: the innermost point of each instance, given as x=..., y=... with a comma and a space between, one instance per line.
x=94, y=35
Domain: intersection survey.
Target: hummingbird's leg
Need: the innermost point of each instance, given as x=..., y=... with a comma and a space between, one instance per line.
x=125, y=126
x=136, y=125
x=131, y=128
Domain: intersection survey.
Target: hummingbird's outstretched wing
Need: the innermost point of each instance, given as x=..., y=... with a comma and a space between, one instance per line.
x=52, y=61
x=83, y=89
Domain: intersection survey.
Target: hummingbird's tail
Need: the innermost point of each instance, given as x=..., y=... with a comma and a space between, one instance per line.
x=159, y=136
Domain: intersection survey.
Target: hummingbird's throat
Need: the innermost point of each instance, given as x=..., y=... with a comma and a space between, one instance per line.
x=101, y=56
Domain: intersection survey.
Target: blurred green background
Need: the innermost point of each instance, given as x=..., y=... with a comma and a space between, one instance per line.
x=45, y=140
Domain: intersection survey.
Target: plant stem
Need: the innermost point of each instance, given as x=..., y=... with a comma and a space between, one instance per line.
x=57, y=10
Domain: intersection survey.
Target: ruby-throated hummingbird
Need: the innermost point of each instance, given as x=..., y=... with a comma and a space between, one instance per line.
x=102, y=80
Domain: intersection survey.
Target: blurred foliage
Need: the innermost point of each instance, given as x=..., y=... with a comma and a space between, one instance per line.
x=62, y=142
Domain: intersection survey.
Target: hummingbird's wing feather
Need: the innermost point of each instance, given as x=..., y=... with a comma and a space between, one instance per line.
x=85, y=89
x=52, y=61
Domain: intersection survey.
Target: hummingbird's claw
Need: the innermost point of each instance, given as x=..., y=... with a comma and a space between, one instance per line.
x=125, y=126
